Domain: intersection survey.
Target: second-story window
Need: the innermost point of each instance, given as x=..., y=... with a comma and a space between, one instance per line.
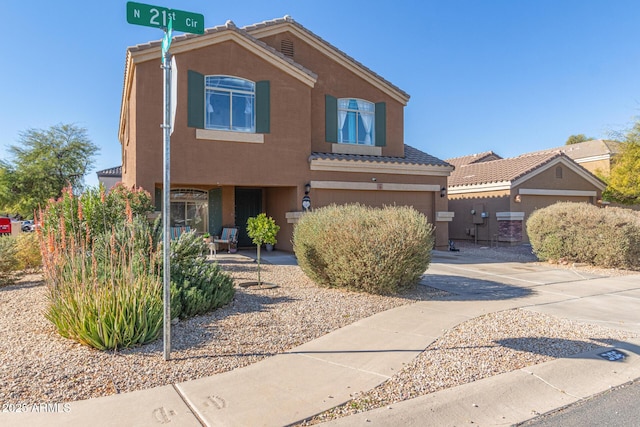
x=356, y=121
x=229, y=104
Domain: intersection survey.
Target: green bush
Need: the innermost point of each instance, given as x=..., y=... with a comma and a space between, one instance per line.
x=381, y=251
x=197, y=286
x=580, y=232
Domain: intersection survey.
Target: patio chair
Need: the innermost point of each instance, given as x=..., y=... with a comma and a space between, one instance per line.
x=229, y=237
x=177, y=231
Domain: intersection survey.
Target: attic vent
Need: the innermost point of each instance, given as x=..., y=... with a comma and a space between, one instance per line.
x=286, y=47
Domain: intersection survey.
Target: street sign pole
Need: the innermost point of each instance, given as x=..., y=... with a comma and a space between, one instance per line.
x=167, y=20
x=166, y=190
x=166, y=202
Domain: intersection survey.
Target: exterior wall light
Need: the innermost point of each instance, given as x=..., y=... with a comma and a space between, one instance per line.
x=517, y=199
x=307, y=188
x=443, y=192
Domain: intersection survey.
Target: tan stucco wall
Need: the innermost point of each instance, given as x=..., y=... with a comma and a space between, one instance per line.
x=279, y=201
x=597, y=166
x=505, y=201
x=335, y=80
x=281, y=159
x=280, y=165
x=570, y=180
x=491, y=202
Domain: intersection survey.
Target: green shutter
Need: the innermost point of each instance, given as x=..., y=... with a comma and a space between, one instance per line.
x=331, y=118
x=158, y=199
x=263, y=107
x=381, y=124
x=195, y=104
x=215, y=211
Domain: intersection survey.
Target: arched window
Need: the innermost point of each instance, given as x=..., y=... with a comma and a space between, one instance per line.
x=190, y=207
x=229, y=103
x=356, y=121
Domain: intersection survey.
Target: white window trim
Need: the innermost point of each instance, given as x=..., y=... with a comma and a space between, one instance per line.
x=358, y=112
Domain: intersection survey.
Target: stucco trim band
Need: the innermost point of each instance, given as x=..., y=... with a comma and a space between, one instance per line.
x=444, y=216
x=480, y=188
x=330, y=165
x=365, y=150
x=510, y=216
x=221, y=135
x=547, y=192
x=371, y=186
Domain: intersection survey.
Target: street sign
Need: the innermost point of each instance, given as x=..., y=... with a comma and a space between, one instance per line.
x=158, y=17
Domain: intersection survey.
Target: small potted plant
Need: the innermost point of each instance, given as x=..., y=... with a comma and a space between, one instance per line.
x=262, y=230
x=207, y=238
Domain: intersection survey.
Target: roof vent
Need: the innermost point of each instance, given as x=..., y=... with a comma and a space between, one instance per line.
x=286, y=48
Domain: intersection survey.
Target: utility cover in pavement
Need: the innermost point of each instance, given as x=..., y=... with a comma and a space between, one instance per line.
x=613, y=355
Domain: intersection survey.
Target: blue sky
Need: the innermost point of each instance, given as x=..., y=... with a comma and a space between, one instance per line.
x=505, y=75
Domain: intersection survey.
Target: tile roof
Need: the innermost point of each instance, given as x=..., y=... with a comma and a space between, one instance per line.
x=229, y=25
x=502, y=170
x=582, y=150
x=411, y=156
x=115, y=172
x=473, y=158
x=288, y=19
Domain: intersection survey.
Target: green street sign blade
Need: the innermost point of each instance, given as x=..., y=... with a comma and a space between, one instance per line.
x=158, y=17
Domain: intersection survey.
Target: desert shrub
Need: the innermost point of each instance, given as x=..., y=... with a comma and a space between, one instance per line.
x=381, y=251
x=197, y=286
x=28, y=251
x=580, y=232
x=8, y=259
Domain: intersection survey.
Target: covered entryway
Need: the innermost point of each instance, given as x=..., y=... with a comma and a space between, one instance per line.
x=248, y=204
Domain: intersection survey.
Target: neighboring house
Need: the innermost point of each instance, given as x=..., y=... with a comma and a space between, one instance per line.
x=492, y=197
x=110, y=177
x=266, y=114
x=595, y=155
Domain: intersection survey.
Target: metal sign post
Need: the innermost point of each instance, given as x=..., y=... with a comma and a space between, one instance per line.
x=166, y=19
x=166, y=190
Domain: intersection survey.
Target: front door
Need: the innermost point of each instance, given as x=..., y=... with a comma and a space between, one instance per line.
x=248, y=204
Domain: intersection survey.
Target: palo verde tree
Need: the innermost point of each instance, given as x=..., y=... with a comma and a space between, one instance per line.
x=44, y=163
x=624, y=179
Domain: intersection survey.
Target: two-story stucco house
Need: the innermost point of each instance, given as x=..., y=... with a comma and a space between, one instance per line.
x=266, y=113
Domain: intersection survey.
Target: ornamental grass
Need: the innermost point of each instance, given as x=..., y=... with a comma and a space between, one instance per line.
x=103, y=290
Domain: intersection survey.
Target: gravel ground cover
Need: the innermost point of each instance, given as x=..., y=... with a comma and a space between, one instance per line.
x=37, y=365
x=482, y=347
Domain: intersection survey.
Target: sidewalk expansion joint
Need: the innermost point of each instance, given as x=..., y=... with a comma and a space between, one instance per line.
x=550, y=385
x=386, y=377
x=190, y=407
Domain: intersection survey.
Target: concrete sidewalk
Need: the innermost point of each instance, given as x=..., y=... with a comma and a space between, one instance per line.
x=321, y=374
